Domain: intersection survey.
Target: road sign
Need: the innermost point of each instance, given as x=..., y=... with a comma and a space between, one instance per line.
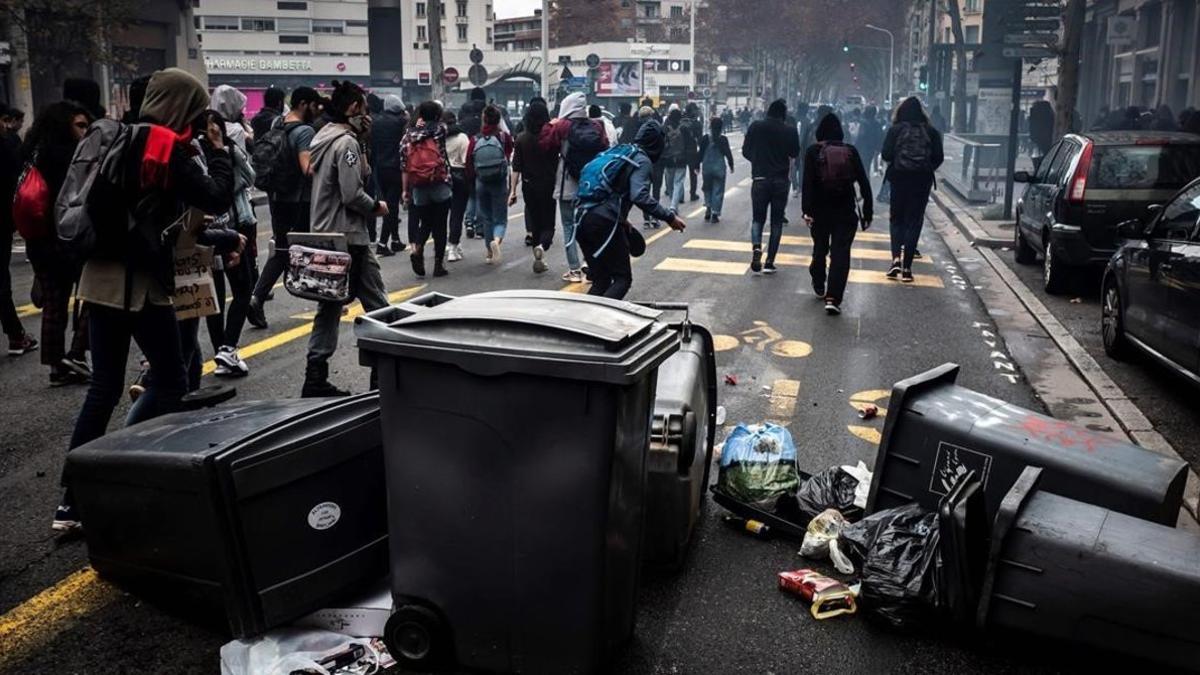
x=1028, y=52
x=1120, y=31
x=566, y=73
x=564, y=59
x=477, y=75
x=1033, y=26
x=450, y=75
x=707, y=92
x=1031, y=39
x=593, y=61
x=476, y=56
x=575, y=82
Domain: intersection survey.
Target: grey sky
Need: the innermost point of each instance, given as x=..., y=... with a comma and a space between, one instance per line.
x=510, y=8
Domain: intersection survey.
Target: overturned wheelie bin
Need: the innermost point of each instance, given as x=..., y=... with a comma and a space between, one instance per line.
x=516, y=426
x=936, y=431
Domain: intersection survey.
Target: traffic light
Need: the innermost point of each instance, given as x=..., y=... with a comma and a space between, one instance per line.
x=924, y=79
x=845, y=45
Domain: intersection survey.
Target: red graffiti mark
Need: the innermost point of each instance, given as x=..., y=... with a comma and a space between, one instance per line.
x=1063, y=434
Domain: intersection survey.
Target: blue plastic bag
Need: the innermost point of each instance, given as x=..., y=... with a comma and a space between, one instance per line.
x=758, y=465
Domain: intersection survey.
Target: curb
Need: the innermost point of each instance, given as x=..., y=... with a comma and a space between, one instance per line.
x=1133, y=422
x=967, y=224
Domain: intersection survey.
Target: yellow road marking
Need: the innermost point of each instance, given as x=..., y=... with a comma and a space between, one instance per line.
x=862, y=399
x=702, y=266
x=747, y=247
x=868, y=434
x=33, y=623
x=280, y=339
x=516, y=215
x=31, y=310
x=783, y=400
x=740, y=268
x=806, y=240
x=723, y=343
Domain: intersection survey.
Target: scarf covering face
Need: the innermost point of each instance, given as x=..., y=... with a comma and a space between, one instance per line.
x=174, y=98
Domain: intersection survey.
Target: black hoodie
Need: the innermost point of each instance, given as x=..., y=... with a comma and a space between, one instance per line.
x=818, y=201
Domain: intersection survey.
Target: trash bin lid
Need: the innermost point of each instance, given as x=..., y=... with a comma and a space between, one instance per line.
x=562, y=335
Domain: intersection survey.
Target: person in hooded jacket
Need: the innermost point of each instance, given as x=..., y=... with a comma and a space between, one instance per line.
x=552, y=140
x=340, y=204
x=49, y=146
x=913, y=151
x=691, y=117
x=387, y=132
x=831, y=210
x=129, y=280
x=772, y=146
x=870, y=137
x=604, y=229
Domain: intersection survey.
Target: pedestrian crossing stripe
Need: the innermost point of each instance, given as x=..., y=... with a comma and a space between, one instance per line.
x=873, y=237
x=746, y=247
x=857, y=276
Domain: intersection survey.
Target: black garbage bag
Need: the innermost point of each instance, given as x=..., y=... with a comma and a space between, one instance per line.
x=897, y=551
x=832, y=488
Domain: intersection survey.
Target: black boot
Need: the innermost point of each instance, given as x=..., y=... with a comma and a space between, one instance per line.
x=316, y=382
x=439, y=268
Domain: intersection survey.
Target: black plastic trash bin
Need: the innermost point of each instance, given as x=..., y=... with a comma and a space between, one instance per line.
x=681, y=444
x=516, y=428
x=1063, y=569
x=257, y=513
x=936, y=431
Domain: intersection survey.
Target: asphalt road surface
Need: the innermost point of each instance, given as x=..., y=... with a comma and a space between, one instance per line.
x=723, y=613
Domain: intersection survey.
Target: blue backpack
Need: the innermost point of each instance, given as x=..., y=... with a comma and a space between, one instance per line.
x=597, y=181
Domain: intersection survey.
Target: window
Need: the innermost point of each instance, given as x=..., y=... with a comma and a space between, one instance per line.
x=1180, y=217
x=678, y=34
x=677, y=12
x=488, y=16
x=971, y=5
x=259, y=25
x=422, y=34
x=351, y=23
x=1043, y=163
x=292, y=6
x=489, y=34
x=420, y=10
x=221, y=23
x=650, y=11
x=462, y=8
x=462, y=32
x=293, y=25
x=293, y=39
x=971, y=35
x=1144, y=167
x=1059, y=166
x=328, y=26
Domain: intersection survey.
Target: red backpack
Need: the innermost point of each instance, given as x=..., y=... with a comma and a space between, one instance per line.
x=32, y=207
x=425, y=164
x=835, y=168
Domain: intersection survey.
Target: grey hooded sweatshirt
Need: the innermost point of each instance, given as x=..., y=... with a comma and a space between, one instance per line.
x=340, y=202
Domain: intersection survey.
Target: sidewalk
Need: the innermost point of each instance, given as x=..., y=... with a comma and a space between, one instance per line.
x=979, y=223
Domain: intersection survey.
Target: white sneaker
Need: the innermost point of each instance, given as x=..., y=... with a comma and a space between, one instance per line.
x=454, y=253
x=573, y=277
x=229, y=363
x=494, y=249
x=539, y=265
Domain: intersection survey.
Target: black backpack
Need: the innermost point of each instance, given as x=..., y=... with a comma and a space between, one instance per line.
x=674, y=151
x=276, y=168
x=914, y=148
x=585, y=141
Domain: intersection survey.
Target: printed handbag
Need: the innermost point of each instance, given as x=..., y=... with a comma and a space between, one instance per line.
x=318, y=274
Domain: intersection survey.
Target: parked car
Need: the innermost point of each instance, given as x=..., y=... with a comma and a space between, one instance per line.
x=1086, y=186
x=1151, y=287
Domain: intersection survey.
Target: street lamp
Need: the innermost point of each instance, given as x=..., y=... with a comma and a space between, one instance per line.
x=891, y=60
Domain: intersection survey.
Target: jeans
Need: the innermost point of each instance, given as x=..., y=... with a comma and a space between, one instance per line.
x=566, y=208
x=910, y=196
x=431, y=220
x=8, y=311
x=491, y=208
x=225, y=329
x=366, y=285
x=458, y=204
x=674, y=183
x=833, y=237
x=539, y=214
x=612, y=271
x=714, y=192
x=391, y=184
x=285, y=217
x=772, y=193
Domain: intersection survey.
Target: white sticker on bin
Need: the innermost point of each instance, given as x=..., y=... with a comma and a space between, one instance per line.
x=324, y=516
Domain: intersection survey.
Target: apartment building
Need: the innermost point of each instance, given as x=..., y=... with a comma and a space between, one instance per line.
x=519, y=34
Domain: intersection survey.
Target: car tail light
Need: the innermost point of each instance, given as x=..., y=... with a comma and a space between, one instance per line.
x=1078, y=183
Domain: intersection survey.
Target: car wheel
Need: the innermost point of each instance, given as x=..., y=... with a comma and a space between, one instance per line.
x=1112, y=322
x=1054, y=272
x=1023, y=253
x=418, y=639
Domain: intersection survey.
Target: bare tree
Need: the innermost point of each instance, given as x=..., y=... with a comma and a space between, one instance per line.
x=1068, y=71
x=437, y=86
x=67, y=36
x=960, y=73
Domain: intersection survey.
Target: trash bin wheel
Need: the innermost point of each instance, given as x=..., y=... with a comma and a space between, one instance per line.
x=417, y=638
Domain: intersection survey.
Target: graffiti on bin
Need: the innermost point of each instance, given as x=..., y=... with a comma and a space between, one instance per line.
x=952, y=462
x=1064, y=434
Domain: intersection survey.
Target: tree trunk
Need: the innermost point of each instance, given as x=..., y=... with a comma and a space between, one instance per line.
x=960, y=73
x=437, y=85
x=1068, y=68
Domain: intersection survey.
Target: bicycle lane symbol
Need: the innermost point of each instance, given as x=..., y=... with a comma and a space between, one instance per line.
x=763, y=338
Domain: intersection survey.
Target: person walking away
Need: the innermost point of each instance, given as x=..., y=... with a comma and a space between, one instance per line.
x=49, y=147
x=574, y=140
x=340, y=204
x=831, y=170
x=470, y=118
x=678, y=137
x=457, y=143
x=272, y=110
x=715, y=151
x=428, y=189
x=1041, y=128
x=285, y=152
x=804, y=128
x=604, y=205
x=128, y=280
x=659, y=171
x=691, y=117
x=610, y=131
x=534, y=171
x=771, y=145
x=913, y=151
x=727, y=119
x=387, y=132
x=487, y=165
x=869, y=139
x=624, y=118
x=19, y=341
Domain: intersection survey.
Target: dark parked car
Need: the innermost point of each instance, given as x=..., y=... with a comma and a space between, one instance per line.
x=1087, y=185
x=1151, y=289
